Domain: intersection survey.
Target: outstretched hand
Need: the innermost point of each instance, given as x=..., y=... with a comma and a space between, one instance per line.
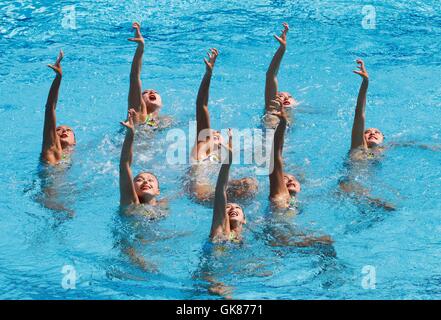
x=212, y=55
x=362, y=72
x=138, y=38
x=57, y=65
x=282, y=37
x=130, y=123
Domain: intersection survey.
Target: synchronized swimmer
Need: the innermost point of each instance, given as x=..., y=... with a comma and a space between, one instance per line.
x=57, y=141
x=143, y=110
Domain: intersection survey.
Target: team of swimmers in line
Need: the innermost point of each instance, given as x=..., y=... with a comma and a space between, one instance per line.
x=143, y=109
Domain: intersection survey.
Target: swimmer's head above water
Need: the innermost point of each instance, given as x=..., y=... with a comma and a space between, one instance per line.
x=146, y=186
x=373, y=137
x=292, y=184
x=66, y=135
x=210, y=142
x=218, y=140
x=235, y=214
x=287, y=99
x=152, y=100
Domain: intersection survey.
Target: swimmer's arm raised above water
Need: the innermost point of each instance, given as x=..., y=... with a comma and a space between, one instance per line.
x=220, y=225
x=126, y=187
x=277, y=184
x=358, y=127
x=271, y=84
x=202, y=114
x=51, y=149
x=135, y=99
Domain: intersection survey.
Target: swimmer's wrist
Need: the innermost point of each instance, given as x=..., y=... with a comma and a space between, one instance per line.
x=130, y=132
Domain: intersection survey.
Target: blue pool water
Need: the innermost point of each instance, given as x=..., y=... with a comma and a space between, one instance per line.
x=84, y=228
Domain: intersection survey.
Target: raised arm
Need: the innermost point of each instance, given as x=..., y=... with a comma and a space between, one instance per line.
x=51, y=150
x=126, y=188
x=271, y=85
x=202, y=114
x=135, y=99
x=221, y=222
x=277, y=184
x=360, y=117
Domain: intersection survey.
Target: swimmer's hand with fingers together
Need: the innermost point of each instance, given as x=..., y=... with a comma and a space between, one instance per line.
x=212, y=56
x=282, y=38
x=57, y=65
x=362, y=70
x=138, y=38
x=129, y=123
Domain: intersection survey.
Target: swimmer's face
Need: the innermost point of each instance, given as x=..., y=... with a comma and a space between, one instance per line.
x=217, y=138
x=235, y=213
x=373, y=137
x=146, y=184
x=152, y=100
x=287, y=99
x=66, y=135
x=291, y=183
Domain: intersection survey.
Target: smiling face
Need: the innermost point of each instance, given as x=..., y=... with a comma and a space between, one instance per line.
x=373, y=137
x=292, y=183
x=66, y=135
x=152, y=100
x=288, y=100
x=146, y=184
x=235, y=213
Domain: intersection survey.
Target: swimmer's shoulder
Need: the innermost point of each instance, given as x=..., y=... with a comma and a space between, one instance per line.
x=280, y=201
x=163, y=204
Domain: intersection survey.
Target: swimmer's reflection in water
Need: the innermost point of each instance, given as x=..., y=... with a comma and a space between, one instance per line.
x=136, y=229
x=56, y=192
